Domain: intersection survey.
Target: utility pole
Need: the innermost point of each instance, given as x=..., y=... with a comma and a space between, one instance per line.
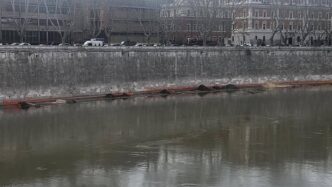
x=38, y=13
x=1, y=9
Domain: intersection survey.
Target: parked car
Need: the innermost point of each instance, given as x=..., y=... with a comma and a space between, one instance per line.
x=115, y=44
x=128, y=43
x=64, y=44
x=13, y=44
x=98, y=39
x=94, y=42
x=24, y=44
x=139, y=45
x=175, y=45
x=194, y=42
x=246, y=45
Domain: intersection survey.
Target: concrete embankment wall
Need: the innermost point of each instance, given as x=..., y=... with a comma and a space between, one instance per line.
x=50, y=71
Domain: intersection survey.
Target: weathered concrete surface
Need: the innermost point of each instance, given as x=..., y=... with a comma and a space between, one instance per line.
x=51, y=71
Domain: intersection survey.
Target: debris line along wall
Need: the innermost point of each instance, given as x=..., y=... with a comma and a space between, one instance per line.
x=35, y=72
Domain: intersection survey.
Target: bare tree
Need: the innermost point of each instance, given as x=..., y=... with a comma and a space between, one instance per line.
x=235, y=7
x=148, y=21
x=276, y=23
x=62, y=17
x=21, y=9
x=106, y=19
x=95, y=15
x=205, y=12
x=306, y=28
x=169, y=17
x=287, y=31
x=1, y=12
x=108, y=25
x=323, y=31
x=328, y=31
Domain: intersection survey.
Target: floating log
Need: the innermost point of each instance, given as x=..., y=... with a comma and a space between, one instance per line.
x=165, y=92
x=26, y=105
x=204, y=88
x=118, y=95
x=230, y=87
x=71, y=101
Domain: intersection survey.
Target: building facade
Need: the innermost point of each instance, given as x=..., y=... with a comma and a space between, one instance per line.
x=35, y=21
x=135, y=20
x=71, y=21
x=196, y=22
x=282, y=22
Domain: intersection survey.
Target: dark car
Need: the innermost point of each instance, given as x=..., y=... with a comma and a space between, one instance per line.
x=64, y=44
x=115, y=44
x=128, y=43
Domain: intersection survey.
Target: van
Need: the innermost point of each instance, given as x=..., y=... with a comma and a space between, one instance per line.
x=94, y=42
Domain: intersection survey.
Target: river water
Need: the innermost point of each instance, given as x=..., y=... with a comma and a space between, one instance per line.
x=268, y=139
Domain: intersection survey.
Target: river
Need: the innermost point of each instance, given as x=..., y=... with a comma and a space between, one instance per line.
x=267, y=139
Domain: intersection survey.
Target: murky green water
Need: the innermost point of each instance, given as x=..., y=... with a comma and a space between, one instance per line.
x=274, y=138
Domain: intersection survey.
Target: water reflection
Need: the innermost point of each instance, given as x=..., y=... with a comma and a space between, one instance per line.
x=275, y=138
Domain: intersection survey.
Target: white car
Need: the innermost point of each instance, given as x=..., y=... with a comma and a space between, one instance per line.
x=139, y=45
x=95, y=43
x=24, y=44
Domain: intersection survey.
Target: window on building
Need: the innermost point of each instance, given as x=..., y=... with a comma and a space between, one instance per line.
x=256, y=25
x=195, y=27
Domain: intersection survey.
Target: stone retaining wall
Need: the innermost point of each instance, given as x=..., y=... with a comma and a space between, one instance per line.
x=52, y=71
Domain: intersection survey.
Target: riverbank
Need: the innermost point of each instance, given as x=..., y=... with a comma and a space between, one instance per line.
x=48, y=73
x=27, y=103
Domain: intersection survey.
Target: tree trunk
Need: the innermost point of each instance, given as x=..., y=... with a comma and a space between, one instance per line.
x=63, y=39
x=109, y=38
x=148, y=37
x=204, y=40
x=21, y=35
x=272, y=38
